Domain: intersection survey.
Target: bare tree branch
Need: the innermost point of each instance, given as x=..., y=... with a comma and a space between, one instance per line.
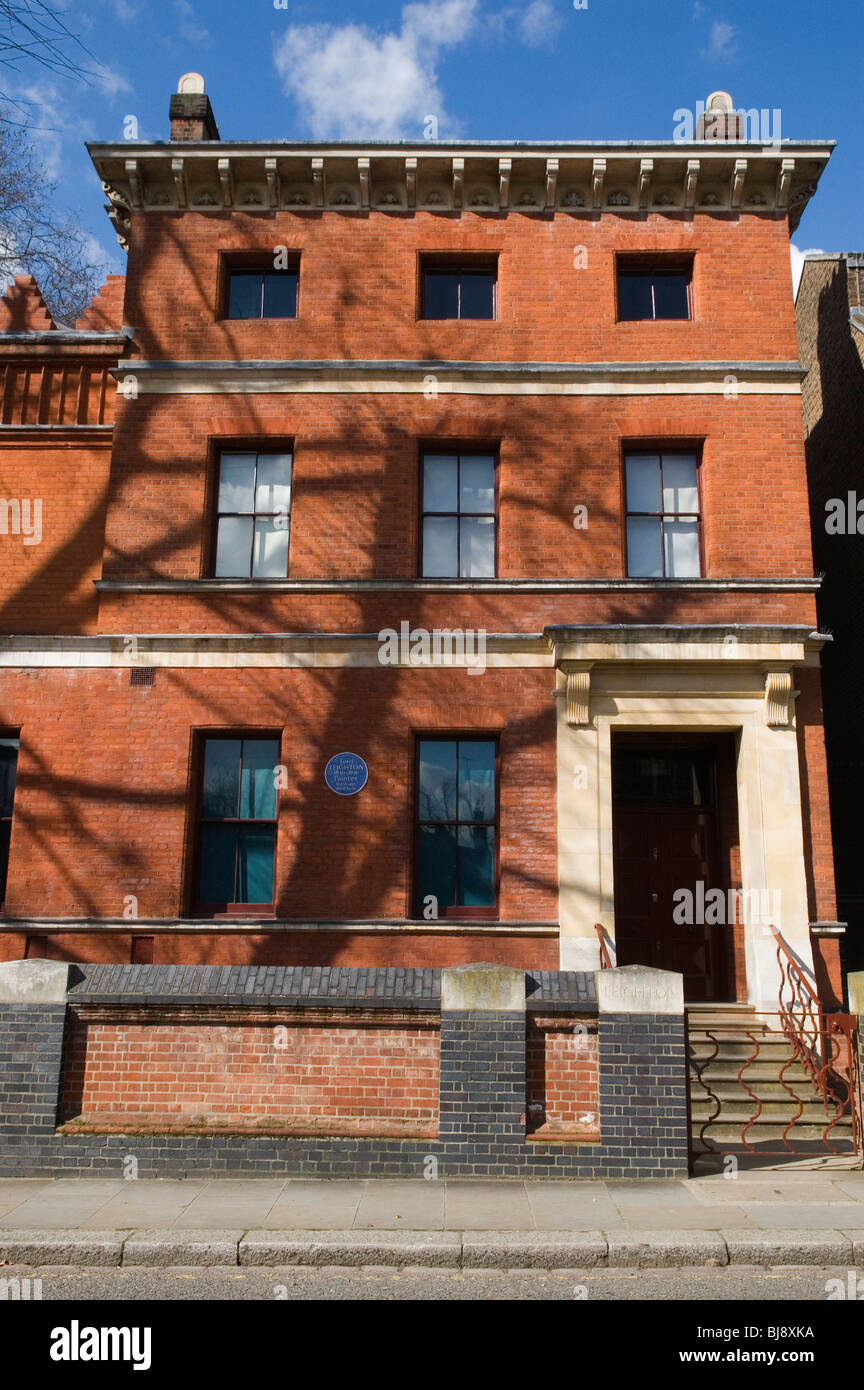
x=33, y=240
x=34, y=31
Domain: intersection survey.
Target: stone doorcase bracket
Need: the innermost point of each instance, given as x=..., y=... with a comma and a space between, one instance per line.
x=779, y=697
x=576, y=691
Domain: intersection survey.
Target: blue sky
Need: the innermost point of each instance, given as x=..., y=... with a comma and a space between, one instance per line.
x=487, y=69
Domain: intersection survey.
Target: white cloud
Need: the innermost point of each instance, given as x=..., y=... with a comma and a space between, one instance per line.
x=109, y=82
x=351, y=81
x=797, y=258
x=721, y=40
x=187, y=27
x=539, y=23
x=49, y=123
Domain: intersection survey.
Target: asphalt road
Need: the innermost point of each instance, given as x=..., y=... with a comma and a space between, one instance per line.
x=381, y=1285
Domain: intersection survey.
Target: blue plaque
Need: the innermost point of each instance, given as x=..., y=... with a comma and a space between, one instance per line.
x=346, y=774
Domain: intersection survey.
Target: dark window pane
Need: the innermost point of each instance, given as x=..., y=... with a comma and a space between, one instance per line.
x=258, y=779
x=5, y=831
x=478, y=294
x=436, y=865
x=671, y=300
x=255, y=864
x=476, y=780
x=440, y=547
x=644, y=547
x=634, y=295
x=218, y=859
x=643, y=483
x=8, y=770
x=440, y=492
x=440, y=295
x=221, y=777
x=280, y=295
x=244, y=294
x=476, y=866
x=437, y=780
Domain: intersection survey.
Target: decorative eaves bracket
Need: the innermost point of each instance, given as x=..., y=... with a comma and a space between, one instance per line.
x=458, y=178
x=646, y=169
x=597, y=177
x=784, y=182
x=505, y=167
x=691, y=182
x=551, y=183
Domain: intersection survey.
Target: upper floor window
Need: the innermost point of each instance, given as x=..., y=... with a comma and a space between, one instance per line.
x=8, y=774
x=253, y=516
x=261, y=293
x=663, y=522
x=658, y=289
x=458, y=516
x=236, y=838
x=453, y=291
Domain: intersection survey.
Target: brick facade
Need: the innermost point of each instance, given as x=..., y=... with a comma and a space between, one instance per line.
x=105, y=831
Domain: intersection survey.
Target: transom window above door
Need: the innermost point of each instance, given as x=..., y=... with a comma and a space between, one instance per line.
x=458, y=522
x=253, y=512
x=663, y=519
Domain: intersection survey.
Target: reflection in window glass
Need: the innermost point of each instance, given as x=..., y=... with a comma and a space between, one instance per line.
x=456, y=824
x=253, y=516
x=459, y=522
x=662, y=500
x=237, y=833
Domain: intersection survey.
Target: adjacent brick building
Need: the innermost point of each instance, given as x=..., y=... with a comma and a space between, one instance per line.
x=481, y=464
x=830, y=318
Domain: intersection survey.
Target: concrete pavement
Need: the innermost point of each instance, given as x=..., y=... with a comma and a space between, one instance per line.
x=755, y=1218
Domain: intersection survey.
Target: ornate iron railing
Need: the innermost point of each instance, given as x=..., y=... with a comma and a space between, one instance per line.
x=784, y=1083
x=824, y=1044
x=606, y=962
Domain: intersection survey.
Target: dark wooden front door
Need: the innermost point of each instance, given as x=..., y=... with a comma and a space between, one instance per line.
x=660, y=847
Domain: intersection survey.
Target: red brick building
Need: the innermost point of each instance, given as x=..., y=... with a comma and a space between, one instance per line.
x=481, y=463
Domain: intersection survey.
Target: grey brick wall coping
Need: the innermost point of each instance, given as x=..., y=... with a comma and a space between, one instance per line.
x=549, y=991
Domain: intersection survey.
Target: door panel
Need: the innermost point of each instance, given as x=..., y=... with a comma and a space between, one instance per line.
x=657, y=851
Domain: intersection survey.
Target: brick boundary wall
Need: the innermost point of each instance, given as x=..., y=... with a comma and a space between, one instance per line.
x=641, y=1060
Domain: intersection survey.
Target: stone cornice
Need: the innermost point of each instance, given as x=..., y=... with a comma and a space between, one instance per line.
x=299, y=376
x=806, y=584
x=495, y=178
x=246, y=926
x=726, y=643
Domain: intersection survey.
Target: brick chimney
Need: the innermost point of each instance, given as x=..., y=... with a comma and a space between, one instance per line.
x=190, y=111
x=720, y=120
